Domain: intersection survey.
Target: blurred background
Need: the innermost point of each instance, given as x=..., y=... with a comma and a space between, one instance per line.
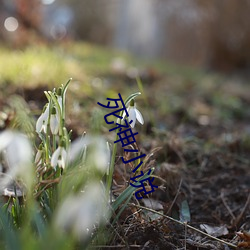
x=211, y=34
x=190, y=59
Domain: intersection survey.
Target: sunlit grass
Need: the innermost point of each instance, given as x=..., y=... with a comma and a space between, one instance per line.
x=41, y=64
x=37, y=65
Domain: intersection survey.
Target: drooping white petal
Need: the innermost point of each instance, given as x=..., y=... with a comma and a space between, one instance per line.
x=19, y=151
x=101, y=154
x=38, y=156
x=59, y=158
x=54, y=124
x=139, y=116
x=123, y=115
x=77, y=148
x=79, y=214
x=98, y=152
x=5, y=139
x=39, y=123
x=62, y=161
x=44, y=127
x=55, y=156
x=132, y=116
x=18, y=156
x=46, y=113
x=42, y=121
x=59, y=99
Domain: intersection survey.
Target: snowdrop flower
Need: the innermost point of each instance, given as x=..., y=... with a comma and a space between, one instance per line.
x=101, y=154
x=54, y=121
x=39, y=154
x=79, y=214
x=59, y=157
x=59, y=97
x=98, y=152
x=42, y=122
x=17, y=152
x=134, y=114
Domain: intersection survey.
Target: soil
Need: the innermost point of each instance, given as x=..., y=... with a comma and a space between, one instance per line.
x=204, y=164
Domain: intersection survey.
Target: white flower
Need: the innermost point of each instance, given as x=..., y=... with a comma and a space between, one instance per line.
x=39, y=155
x=98, y=152
x=54, y=121
x=42, y=122
x=79, y=214
x=59, y=96
x=100, y=155
x=17, y=152
x=134, y=114
x=59, y=157
x=59, y=99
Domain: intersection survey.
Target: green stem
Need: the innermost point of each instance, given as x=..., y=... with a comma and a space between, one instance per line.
x=112, y=166
x=59, y=111
x=63, y=101
x=54, y=142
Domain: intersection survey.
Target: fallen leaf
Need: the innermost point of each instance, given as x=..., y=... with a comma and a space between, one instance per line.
x=215, y=231
x=153, y=204
x=245, y=236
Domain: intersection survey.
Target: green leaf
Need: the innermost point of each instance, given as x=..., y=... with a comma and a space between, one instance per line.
x=65, y=87
x=11, y=237
x=185, y=212
x=127, y=193
x=132, y=96
x=122, y=208
x=39, y=222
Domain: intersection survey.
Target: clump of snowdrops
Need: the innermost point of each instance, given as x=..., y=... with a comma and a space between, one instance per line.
x=61, y=196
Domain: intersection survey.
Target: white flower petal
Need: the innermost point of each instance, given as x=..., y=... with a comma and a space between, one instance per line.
x=42, y=121
x=46, y=113
x=55, y=156
x=59, y=157
x=5, y=139
x=61, y=163
x=124, y=114
x=38, y=156
x=44, y=127
x=63, y=158
x=19, y=151
x=139, y=116
x=101, y=154
x=77, y=148
x=39, y=123
x=132, y=116
x=59, y=99
x=18, y=155
x=79, y=214
x=54, y=124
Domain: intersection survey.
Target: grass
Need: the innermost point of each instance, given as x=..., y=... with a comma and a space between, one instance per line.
x=36, y=65
x=188, y=113
x=43, y=64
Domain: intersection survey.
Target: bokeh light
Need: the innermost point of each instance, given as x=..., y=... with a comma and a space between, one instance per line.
x=48, y=2
x=11, y=24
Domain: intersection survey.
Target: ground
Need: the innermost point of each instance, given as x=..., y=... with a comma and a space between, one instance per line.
x=196, y=135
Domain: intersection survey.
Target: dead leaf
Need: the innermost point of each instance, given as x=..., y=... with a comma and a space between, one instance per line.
x=245, y=236
x=153, y=204
x=215, y=231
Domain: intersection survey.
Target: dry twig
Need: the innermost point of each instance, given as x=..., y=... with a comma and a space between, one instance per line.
x=184, y=224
